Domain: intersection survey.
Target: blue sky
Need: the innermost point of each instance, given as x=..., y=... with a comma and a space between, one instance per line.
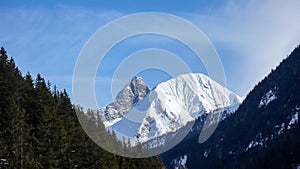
x=251, y=37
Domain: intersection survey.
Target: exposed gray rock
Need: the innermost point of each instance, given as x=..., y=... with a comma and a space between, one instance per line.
x=131, y=94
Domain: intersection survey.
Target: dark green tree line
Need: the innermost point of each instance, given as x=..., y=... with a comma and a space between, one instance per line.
x=39, y=127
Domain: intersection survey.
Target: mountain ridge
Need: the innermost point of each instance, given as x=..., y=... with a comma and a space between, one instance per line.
x=174, y=103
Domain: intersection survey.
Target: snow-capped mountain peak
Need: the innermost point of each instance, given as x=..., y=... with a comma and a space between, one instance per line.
x=129, y=96
x=171, y=104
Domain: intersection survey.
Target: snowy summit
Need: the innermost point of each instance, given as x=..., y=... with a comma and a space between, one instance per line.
x=172, y=104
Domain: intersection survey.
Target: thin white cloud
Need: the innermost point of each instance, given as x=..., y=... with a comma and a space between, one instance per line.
x=261, y=32
x=48, y=34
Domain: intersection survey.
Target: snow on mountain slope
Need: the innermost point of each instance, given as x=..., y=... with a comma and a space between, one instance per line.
x=131, y=94
x=171, y=104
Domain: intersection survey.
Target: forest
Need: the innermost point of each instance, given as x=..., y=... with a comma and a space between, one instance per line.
x=39, y=127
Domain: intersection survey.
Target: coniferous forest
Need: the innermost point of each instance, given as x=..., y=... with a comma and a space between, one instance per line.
x=39, y=127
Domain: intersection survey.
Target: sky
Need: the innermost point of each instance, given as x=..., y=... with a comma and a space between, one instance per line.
x=250, y=37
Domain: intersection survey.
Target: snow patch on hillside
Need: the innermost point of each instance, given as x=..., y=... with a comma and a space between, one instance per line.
x=293, y=121
x=181, y=162
x=268, y=97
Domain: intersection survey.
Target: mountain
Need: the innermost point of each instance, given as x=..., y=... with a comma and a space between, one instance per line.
x=129, y=96
x=174, y=103
x=262, y=133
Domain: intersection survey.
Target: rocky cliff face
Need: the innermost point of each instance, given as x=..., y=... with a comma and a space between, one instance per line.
x=131, y=94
